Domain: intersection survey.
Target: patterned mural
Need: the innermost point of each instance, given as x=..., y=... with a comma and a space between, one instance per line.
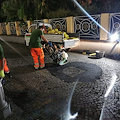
x=38, y=21
x=86, y=27
x=23, y=28
x=59, y=23
x=12, y=28
x=114, y=22
x=3, y=27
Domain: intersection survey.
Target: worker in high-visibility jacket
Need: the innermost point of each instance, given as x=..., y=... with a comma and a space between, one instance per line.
x=6, y=69
x=3, y=64
x=2, y=75
x=36, y=47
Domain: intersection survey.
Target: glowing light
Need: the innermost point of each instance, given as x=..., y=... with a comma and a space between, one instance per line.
x=114, y=37
x=68, y=115
x=74, y=116
x=79, y=6
x=101, y=115
x=114, y=77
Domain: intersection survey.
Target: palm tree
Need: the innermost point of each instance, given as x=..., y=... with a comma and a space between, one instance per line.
x=38, y=8
x=14, y=9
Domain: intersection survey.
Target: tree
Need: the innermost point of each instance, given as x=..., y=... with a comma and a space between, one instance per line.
x=59, y=13
x=59, y=8
x=14, y=10
x=1, y=12
x=38, y=9
x=22, y=10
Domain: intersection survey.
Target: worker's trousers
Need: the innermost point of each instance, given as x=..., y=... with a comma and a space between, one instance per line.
x=38, y=53
x=6, y=69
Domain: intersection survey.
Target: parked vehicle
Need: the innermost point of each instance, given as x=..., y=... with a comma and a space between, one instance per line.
x=60, y=39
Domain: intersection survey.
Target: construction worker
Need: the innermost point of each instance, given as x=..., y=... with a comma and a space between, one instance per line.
x=36, y=47
x=4, y=70
x=2, y=75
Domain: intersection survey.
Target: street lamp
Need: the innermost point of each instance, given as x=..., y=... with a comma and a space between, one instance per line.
x=114, y=37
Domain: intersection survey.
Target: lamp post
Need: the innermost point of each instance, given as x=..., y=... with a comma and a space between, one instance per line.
x=5, y=109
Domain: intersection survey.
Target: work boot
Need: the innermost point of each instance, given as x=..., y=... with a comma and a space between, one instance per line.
x=8, y=74
x=42, y=67
x=36, y=68
x=3, y=82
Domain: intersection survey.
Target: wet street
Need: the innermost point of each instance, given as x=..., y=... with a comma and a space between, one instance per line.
x=46, y=94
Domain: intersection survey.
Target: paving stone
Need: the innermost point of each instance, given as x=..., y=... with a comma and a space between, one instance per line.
x=44, y=94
